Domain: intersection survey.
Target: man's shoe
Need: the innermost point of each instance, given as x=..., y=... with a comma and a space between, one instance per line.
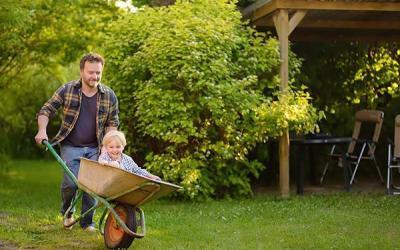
x=90, y=229
x=68, y=223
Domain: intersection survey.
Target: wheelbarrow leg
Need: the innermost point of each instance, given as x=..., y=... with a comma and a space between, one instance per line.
x=101, y=221
x=85, y=213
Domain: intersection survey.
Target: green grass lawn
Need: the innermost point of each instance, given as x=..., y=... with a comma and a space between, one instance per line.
x=29, y=219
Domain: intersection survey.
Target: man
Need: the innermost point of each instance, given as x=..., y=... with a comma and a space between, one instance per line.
x=90, y=109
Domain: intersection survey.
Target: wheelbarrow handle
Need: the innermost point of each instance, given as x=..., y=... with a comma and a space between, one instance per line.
x=62, y=163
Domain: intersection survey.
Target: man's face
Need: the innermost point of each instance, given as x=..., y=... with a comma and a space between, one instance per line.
x=91, y=74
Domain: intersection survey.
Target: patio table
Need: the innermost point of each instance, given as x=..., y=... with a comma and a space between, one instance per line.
x=342, y=145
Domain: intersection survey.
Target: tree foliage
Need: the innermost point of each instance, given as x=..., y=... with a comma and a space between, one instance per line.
x=197, y=92
x=39, y=41
x=357, y=76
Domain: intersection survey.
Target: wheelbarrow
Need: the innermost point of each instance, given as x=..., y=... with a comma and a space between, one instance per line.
x=120, y=193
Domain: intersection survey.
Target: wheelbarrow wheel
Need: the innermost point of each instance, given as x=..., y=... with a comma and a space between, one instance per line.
x=114, y=235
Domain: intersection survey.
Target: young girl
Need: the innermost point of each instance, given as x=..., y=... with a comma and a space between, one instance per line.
x=112, y=154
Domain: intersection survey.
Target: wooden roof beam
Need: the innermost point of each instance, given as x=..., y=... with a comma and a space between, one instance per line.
x=264, y=8
x=338, y=5
x=349, y=24
x=296, y=19
x=341, y=24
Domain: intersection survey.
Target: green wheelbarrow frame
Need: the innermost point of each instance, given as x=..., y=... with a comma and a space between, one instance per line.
x=109, y=195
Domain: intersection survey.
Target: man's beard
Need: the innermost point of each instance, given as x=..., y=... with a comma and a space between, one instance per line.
x=92, y=82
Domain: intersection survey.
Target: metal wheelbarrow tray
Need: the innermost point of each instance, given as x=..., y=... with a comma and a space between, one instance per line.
x=120, y=192
x=120, y=185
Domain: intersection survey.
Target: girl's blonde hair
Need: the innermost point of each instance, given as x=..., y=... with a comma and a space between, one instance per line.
x=113, y=135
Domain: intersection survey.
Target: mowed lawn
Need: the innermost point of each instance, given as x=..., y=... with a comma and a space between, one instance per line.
x=29, y=219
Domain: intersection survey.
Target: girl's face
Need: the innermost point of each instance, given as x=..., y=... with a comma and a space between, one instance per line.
x=114, y=149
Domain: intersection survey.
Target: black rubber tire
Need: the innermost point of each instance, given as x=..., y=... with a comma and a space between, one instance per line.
x=115, y=236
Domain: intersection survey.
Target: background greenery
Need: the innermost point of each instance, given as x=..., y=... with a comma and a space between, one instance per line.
x=345, y=77
x=39, y=49
x=357, y=76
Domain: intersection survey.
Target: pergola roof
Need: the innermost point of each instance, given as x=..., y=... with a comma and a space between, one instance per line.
x=333, y=20
x=318, y=20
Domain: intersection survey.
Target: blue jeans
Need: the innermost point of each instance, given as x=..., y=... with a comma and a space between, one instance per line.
x=71, y=155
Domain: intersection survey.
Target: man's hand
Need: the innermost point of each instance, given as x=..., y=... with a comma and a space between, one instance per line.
x=42, y=125
x=108, y=129
x=40, y=136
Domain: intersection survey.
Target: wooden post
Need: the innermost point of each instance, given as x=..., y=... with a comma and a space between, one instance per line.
x=284, y=27
x=281, y=21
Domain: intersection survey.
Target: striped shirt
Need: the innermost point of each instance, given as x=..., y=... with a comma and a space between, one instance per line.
x=69, y=97
x=125, y=163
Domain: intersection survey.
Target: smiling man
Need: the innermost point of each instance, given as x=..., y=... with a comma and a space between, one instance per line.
x=90, y=109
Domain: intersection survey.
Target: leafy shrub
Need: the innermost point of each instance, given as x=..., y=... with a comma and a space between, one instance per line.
x=196, y=89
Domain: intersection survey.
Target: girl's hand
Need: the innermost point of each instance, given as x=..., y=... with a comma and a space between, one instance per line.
x=103, y=162
x=155, y=177
x=114, y=164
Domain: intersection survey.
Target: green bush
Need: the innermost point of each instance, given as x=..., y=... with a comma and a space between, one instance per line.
x=197, y=92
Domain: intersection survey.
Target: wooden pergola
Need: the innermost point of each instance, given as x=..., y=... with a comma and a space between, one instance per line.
x=321, y=20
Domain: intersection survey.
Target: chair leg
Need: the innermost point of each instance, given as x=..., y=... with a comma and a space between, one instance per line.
x=351, y=170
x=324, y=172
x=371, y=149
x=357, y=164
x=327, y=165
x=392, y=189
x=378, y=169
x=389, y=181
x=389, y=178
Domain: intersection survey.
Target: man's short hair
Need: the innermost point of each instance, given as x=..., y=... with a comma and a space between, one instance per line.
x=91, y=57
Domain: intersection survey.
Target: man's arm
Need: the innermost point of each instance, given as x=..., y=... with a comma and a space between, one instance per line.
x=48, y=110
x=112, y=122
x=42, y=125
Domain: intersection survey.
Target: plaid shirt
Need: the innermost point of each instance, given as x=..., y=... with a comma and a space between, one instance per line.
x=69, y=96
x=126, y=163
